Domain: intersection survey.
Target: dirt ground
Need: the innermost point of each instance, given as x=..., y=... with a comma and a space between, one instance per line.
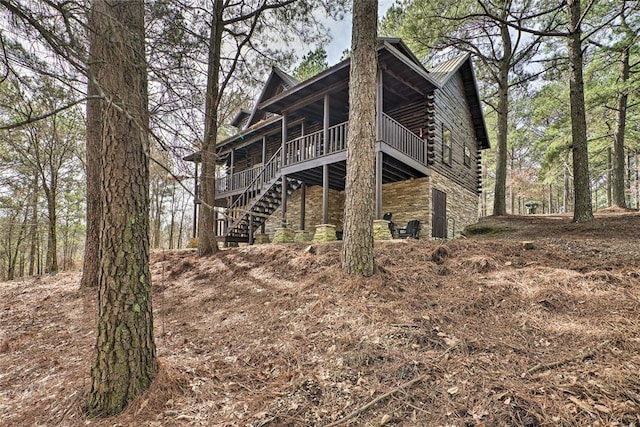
x=536, y=322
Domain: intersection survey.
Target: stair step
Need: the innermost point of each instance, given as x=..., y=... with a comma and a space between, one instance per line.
x=261, y=206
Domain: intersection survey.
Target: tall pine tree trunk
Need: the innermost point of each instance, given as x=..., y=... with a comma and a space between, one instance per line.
x=583, y=210
x=125, y=362
x=91, y=263
x=357, y=246
x=499, y=202
x=618, y=140
x=33, y=228
x=207, y=242
x=52, y=238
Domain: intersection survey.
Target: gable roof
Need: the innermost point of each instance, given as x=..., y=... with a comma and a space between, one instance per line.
x=276, y=79
x=275, y=101
x=445, y=71
x=240, y=118
x=393, y=49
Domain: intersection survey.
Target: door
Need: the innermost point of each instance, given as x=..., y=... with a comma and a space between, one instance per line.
x=439, y=216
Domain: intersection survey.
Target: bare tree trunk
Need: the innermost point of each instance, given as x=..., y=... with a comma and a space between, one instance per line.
x=91, y=262
x=637, y=179
x=33, y=229
x=567, y=190
x=52, y=238
x=618, y=141
x=499, y=204
x=609, y=177
x=582, y=194
x=357, y=246
x=207, y=242
x=158, y=201
x=125, y=362
x=173, y=215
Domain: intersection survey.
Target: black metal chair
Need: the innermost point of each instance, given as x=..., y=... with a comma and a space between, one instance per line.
x=411, y=230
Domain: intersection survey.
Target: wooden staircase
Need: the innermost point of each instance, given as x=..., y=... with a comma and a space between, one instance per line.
x=259, y=200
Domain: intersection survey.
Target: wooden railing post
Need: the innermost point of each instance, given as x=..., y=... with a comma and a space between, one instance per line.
x=326, y=124
x=379, y=105
x=284, y=140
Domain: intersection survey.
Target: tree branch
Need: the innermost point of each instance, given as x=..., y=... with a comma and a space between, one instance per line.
x=47, y=114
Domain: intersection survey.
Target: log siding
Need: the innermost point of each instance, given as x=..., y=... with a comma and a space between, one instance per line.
x=452, y=112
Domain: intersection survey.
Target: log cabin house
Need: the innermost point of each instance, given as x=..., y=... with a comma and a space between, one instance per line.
x=285, y=168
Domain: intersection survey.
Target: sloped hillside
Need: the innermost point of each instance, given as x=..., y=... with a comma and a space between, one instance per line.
x=535, y=321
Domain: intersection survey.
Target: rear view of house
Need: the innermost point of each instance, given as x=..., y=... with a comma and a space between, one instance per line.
x=286, y=166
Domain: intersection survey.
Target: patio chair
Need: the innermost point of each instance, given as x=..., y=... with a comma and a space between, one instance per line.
x=411, y=230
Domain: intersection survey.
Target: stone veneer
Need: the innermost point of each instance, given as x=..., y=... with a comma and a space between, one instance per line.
x=381, y=230
x=313, y=211
x=406, y=200
x=462, y=204
x=325, y=233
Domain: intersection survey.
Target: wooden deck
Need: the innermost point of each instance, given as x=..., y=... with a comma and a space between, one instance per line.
x=304, y=155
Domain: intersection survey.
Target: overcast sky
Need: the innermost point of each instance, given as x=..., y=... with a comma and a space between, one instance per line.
x=341, y=33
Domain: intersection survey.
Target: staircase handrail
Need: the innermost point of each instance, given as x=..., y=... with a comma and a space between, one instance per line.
x=244, y=197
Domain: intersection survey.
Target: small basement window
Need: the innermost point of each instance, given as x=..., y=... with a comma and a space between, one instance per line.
x=467, y=156
x=447, y=145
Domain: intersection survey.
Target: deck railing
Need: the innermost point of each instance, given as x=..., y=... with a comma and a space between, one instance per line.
x=312, y=146
x=338, y=138
x=304, y=148
x=223, y=185
x=266, y=174
x=402, y=139
x=237, y=181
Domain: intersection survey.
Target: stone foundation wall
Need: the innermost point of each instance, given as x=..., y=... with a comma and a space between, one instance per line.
x=406, y=200
x=313, y=211
x=462, y=204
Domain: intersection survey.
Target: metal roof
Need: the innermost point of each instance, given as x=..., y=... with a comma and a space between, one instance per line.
x=443, y=71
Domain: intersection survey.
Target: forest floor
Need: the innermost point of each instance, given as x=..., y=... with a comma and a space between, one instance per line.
x=481, y=331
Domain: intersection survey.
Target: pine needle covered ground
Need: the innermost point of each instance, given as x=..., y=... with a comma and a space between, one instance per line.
x=535, y=323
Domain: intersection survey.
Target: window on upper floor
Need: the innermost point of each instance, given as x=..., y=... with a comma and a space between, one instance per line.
x=447, y=145
x=467, y=156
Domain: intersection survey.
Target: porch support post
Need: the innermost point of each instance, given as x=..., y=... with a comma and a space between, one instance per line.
x=264, y=150
x=231, y=167
x=325, y=194
x=284, y=140
x=303, y=196
x=379, y=185
x=379, y=106
x=325, y=126
x=250, y=228
x=284, y=201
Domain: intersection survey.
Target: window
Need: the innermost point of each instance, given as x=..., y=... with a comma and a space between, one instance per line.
x=467, y=156
x=446, y=145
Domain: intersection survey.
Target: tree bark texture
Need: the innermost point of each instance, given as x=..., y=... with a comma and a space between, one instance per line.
x=357, y=246
x=125, y=362
x=618, y=141
x=52, y=234
x=91, y=263
x=33, y=229
x=499, y=202
x=207, y=242
x=583, y=210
